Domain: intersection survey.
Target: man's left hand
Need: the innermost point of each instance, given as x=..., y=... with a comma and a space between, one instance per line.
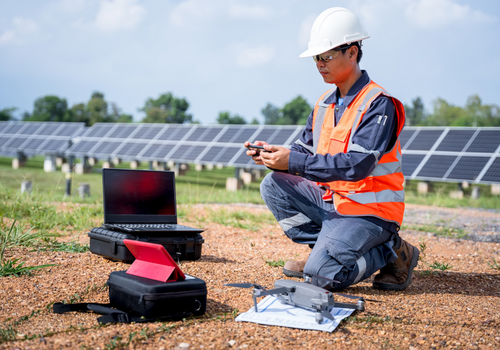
x=276, y=158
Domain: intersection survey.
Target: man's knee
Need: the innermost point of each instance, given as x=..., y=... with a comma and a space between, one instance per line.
x=330, y=269
x=271, y=183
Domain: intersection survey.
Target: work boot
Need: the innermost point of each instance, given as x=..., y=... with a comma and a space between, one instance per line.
x=294, y=268
x=397, y=275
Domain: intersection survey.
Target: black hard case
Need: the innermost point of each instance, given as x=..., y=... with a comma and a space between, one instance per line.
x=110, y=244
x=149, y=298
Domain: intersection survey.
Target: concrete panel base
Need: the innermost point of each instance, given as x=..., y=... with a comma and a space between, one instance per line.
x=49, y=164
x=107, y=165
x=495, y=189
x=209, y=166
x=423, y=187
x=475, y=192
x=233, y=184
x=65, y=168
x=247, y=178
x=81, y=169
x=457, y=194
x=18, y=163
x=135, y=164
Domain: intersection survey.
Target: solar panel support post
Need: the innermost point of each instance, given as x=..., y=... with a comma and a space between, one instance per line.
x=71, y=162
x=83, y=167
x=151, y=166
x=475, y=192
x=49, y=164
x=19, y=161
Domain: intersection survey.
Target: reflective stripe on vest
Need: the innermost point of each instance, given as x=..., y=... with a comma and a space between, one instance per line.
x=381, y=194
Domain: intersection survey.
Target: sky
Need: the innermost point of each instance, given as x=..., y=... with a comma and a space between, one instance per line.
x=237, y=56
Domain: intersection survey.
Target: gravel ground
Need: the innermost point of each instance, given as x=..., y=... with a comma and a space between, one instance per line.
x=456, y=308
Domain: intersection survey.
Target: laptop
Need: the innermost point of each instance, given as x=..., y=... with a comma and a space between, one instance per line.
x=138, y=201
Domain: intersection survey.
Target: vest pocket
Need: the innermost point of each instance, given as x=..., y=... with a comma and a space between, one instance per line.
x=339, y=138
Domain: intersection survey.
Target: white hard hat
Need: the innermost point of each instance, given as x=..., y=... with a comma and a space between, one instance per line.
x=334, y=27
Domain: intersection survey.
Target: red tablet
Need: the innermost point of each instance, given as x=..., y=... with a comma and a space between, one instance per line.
x=153, y=261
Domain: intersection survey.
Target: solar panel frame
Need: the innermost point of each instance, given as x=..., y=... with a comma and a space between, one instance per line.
x=32, y=138
x=223, y=144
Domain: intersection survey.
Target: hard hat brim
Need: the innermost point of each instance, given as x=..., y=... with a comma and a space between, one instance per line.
x=319, y=50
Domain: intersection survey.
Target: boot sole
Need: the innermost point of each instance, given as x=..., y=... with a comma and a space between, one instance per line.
x=291, y=273
x=392, y=286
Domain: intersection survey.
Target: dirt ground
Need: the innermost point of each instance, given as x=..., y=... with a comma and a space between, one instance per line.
x=458, y=308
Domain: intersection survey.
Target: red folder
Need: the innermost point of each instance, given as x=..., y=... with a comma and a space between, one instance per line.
x=153, y=261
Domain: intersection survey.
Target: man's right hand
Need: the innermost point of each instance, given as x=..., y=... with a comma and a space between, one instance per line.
x=255, y=154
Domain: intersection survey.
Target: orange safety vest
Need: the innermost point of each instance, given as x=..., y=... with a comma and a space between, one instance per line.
x=381, y=194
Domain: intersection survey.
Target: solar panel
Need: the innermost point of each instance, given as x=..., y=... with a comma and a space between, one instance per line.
x=405, y=136
x=411, y=162
x=228, y=154
x=493, y=172
x=243, y=135
x=486, y=141
x=436, y=166
x=194, y=153
x=455, y=140
x=281, y=136
x=265, y=135
x=211, y=134
x=38, y=137
x=197, y=134
x=437, y=153
x=424, y=140
x=468, y=168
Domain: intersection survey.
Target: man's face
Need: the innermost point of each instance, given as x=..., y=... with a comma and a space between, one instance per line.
x=338, y=68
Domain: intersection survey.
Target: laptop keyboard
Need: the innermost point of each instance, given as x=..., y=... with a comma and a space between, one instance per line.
x=167, y=226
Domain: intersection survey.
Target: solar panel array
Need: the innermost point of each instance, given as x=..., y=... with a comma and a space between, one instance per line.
x=37, y=137
x=198, y=144
x=451, y=154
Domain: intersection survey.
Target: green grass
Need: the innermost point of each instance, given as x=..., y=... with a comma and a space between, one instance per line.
x=276, y=263
x=440, y=266
x=239, y=219
x=11, y=237
x=494, y=264
x=193, y=188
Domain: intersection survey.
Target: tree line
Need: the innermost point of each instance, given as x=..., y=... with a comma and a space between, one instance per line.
x=170, y=109
x=165, y=109
x=474, y=113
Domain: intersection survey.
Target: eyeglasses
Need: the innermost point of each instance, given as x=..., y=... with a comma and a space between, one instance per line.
x=330, y=55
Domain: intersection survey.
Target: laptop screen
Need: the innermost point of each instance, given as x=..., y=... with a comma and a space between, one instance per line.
x=139, y=196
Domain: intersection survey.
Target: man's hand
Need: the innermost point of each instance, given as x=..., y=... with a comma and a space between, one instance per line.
x=254, y=153
x=277, y=158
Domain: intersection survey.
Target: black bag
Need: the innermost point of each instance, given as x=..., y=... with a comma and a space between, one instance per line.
x=139, y=299
x=109, y=244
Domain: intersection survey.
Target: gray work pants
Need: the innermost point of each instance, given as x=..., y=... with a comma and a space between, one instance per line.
x=346, y=249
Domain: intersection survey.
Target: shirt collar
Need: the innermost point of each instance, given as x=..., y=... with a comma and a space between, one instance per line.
x=363, y=80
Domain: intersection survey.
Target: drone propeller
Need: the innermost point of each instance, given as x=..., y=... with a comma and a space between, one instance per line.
x=245, y=285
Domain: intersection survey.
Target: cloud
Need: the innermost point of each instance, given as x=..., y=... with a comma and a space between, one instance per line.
x=115, y=15
x=249, y=12
x=191, y=11
x=73, y=6
x=23, y=27
x=248, y=57
x=305, y=31
x=438, y=13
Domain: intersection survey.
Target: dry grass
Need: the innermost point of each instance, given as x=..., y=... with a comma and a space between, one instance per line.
x=456, y=308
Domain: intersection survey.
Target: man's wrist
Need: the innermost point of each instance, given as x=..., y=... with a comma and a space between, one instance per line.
x=296, y=163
